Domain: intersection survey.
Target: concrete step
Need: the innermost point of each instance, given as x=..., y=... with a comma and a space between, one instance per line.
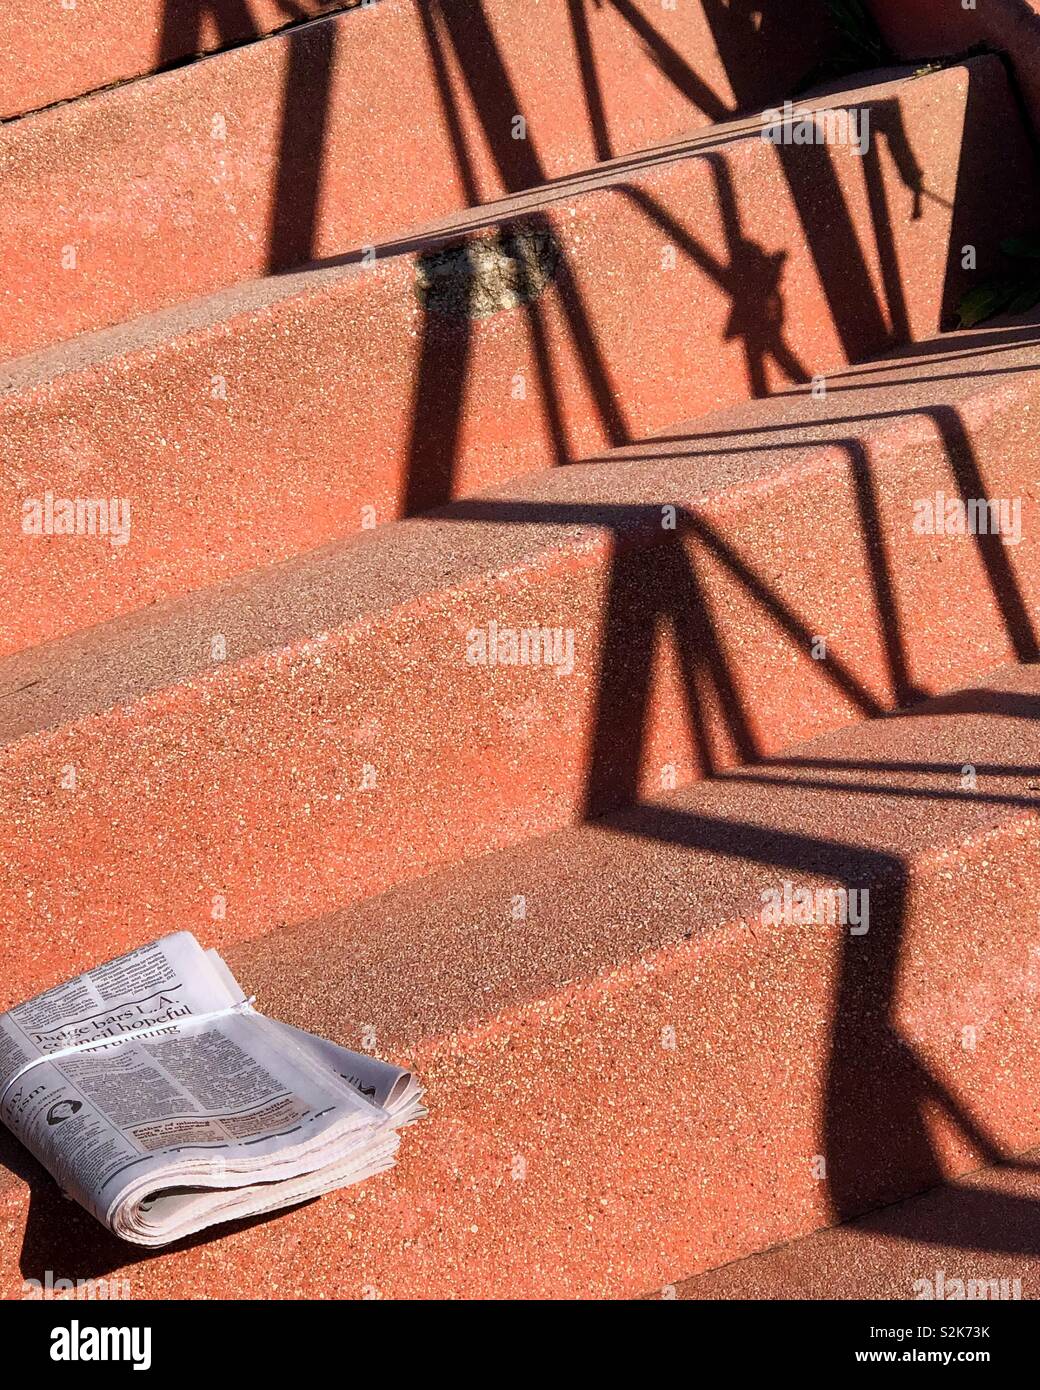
x=972, y=1240
x=313, y=734
x=267, y=420
x=630, y=1071
x=338, y=133
x=929, y=29
x=707, y=57
x=54, y=53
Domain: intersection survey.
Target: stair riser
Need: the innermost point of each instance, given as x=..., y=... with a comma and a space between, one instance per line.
x=672, y=1115
x=276, y=752
x=348, y=404
x=163, y=204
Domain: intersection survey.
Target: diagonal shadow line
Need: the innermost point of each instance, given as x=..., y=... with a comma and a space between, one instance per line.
x=619, y=719
x=688, y=244
x=674, y=65
x=874, y=1086
x=782, y=764
x=691, y=622
x=885, y=603
x=634, y=612
x=963, y=1218
x=552, y=404
x=838, y=256
x=1020, y=1165
x=804, y=433
x=976, y=1133
x=914, y=378
x=805, y=426
x=834, y=668
x=887, y=118
x=590, y=79
x=449, y=108
x=605, y=395
x=438, y=403
x=645, y=520
x=884, y=243
x=492, y=92
x=306, y=109
x=1003, y=581
x=1010, y=339
x=1006, y=703
x=751, y=279
x=748, y=841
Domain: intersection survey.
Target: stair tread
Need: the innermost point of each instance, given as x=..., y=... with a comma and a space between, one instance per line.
x=983, y=1227
x=631, y=1070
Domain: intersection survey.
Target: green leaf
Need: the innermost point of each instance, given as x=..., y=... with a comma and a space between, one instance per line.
x=982, y=303
x=1025, y=248
x=856, y=31
x=1027, y=297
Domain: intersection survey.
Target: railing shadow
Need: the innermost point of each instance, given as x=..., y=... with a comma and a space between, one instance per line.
x=653, y=587
x=861, y=1116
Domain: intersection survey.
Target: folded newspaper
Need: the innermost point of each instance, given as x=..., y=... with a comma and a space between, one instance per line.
x=160, y=1099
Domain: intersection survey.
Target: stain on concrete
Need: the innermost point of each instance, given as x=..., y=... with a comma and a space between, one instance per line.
x=487, y=275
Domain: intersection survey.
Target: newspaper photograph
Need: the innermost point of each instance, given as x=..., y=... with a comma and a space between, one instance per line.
x=163, y=1102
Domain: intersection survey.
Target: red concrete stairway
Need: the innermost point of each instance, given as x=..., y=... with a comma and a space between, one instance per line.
x=543, y=544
